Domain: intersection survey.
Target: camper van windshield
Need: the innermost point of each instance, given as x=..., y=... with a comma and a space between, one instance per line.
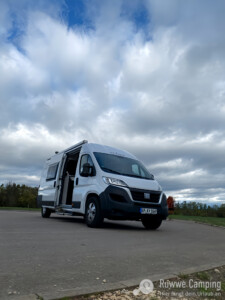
x=122, y=165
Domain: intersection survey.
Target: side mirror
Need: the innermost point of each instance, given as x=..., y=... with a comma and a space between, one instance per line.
x=86, y=170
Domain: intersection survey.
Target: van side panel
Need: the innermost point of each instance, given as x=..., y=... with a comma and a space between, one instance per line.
x=81, y=194
x=48, y=184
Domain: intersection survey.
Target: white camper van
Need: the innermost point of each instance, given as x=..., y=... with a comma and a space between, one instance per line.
x=99, y=182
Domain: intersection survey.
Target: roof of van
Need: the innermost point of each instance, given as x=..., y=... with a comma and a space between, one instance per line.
x=106, y=149
x=91, y=147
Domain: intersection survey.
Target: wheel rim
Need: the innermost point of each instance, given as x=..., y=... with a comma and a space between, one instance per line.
x=91, y=212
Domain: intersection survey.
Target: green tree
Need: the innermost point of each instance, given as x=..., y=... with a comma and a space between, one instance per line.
x=18, y=195
x=221, y=211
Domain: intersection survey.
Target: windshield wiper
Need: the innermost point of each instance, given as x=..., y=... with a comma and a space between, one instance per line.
x=110, y=170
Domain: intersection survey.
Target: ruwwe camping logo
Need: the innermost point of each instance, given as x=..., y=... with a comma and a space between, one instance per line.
x=146, y=286
x=192, y=284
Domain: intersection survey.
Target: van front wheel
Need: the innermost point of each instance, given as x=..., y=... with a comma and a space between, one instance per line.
x=151, y=223
x=45, y=212
x=93, y=214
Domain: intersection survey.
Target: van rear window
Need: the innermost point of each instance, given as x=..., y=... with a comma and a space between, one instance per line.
x=52, y=171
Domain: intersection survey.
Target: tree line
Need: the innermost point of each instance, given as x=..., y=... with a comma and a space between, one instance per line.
x=16, y=195
x=199, y=209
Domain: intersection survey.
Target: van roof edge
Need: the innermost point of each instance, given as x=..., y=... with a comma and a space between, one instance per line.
x=75, y=146
x=69, y=149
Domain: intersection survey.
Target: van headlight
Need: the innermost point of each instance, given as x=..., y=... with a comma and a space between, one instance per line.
x=114, y=181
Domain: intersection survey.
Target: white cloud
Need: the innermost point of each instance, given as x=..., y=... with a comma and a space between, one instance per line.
x=161, y=98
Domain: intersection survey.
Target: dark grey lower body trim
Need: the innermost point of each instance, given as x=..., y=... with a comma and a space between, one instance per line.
x=76, y=204
x=39, y=201
x=48, y=203
x=116, y=203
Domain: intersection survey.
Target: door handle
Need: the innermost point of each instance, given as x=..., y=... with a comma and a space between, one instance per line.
x=54, y=184
x=77, y=180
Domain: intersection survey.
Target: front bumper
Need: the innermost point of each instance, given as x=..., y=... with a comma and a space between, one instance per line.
x=116, y=203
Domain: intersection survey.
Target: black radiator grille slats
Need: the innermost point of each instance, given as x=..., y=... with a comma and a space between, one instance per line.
x=145, y=196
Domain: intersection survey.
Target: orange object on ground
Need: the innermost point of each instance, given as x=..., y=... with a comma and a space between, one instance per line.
x=170, y=204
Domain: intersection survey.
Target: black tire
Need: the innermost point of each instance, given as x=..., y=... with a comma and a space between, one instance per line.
x=93, y=214
x=45, y=212
x=151, y=222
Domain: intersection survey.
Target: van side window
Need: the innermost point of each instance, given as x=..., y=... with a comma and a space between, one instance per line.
x=52, y=171
x=86, y=159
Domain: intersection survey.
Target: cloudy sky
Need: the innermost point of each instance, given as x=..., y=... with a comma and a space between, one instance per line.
x=145, y=76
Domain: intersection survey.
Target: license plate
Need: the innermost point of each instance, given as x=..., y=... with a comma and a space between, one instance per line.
x=148, y=211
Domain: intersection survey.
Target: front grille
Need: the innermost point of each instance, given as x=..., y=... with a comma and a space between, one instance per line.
x=139, y=195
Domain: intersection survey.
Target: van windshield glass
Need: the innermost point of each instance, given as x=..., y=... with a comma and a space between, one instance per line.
x=122, y=165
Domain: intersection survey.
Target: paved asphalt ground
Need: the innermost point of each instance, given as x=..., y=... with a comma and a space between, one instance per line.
x=61, y=256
